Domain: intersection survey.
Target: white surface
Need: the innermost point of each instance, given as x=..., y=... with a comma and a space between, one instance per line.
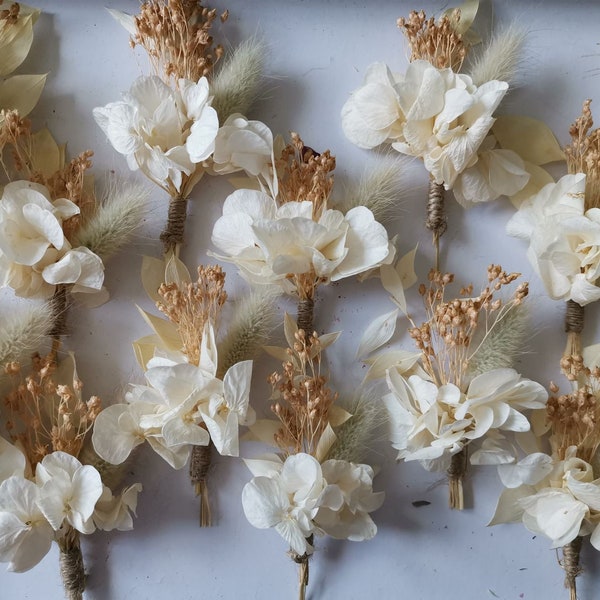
x=319, y=53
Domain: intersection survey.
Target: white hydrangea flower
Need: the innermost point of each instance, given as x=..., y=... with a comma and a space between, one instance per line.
x=35, y=255
x=162, y=132
x=114, y=512
x=561, y=504
x=431, y=423
x=564, y=239
x=69, y=491
x=268, y=242
x=12, y=461
x=287, y=500
x=25, y=534
x=247, y=145
x=347, y=501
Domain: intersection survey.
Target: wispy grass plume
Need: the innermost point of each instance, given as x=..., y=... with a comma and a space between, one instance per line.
x=254, y=318
x=500, y=58
x=503, y=344
x=380, y=189
x=236, y=85
x=356, y=436
x=23, y=332
x=116, y=219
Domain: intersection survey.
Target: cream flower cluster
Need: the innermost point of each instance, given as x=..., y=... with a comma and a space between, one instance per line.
x=63, y=492
x=167, y=133
x=268, y=242
x=301, y=497
x=35, y=255
x=564, y=239
x=557, y=498
x=431, y=423
x=183, y=406
x=441, y=117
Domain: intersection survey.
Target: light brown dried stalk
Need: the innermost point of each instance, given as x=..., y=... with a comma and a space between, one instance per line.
x=176, y=36
x=72, y=569
x=583, y=154
x=45, y=416
x=438, y=42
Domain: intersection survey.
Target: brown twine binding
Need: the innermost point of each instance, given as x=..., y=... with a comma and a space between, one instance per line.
x=436, y=221
x=306, y=308
x=574, y=317
x=570, y=563
x=58, y=308
x=302, y=560
x=199, y=466
x=174, y=229
x=456, y=473
x=72, y=570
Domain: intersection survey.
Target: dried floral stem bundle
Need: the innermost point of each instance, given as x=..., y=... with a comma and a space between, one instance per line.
x=305, y=490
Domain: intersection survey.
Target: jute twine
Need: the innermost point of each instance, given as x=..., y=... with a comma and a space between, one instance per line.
x=456, y=472
x=574, y=317
x=570, y=563
x=173, y=232
x=58, y=307
x=436, y=220
x=306, y=308
x=72, y=570
x=199, y=466
x=302, y=560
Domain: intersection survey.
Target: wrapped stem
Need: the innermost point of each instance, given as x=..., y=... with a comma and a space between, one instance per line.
x=570, y=563
x=436, y=221
x=199, y=466
x=302, y=560
x=172, y=234
x=456, y=473
x=71, y=565
x=305, y=318
x=58, y=307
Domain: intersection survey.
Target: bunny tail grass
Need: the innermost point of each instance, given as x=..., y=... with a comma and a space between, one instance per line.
x=22, y=333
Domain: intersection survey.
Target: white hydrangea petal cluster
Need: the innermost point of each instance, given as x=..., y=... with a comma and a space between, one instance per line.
x=269, y=242
x=444, y=119
x=184, y=405
x=35, y=512
x=301, y=497
x=431, y=423
x=564, y=239
x=559, y=499
x=35, y=255
x=169, y=133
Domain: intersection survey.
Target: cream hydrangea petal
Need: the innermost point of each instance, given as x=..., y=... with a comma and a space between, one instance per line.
x=116, y=433
x=236, y=387
x=224, y=432
x=114, y=512
x=201, y=141
x=12, y=460
x=291, y=532
x=508, y=509
x=265, y=502
x=22, y=545
x=587, y=492
x=86, y=490
x=528, y=471
x=300, y=473
x=177, y=457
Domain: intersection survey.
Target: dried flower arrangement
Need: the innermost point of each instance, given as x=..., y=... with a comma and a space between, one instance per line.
x=54, y=238
x=557, y=493
x=183, y=122
x=445, y=117
x=317, y=484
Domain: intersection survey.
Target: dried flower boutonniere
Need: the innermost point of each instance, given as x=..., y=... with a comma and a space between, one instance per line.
x=313, y=486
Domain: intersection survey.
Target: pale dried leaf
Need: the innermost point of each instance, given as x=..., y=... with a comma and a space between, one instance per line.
x=153, y=274
x=263, y=430
x=326, y=441
x=21, y=93
x=378, y=333
x=401, y=360
x=176, y=272
x=15, y=43
x=127, y=21
x=530, y=138
x=277, y=352
x=468, y=11
x=538, y=178
x=45, y=153
x=338, y=416
x=290, y=328
x=406, y=268
x=144, y=348
x=392, y=283
x=166, y=331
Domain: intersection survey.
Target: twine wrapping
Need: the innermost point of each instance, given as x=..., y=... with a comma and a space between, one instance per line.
x=173, y=232
x=58, y=307
x=436, y=221
x=305, y=318
x=570, y=563
x=456, y=472
x=574, y=317
x=72, y=570
x=302, y=560
x=199, y=466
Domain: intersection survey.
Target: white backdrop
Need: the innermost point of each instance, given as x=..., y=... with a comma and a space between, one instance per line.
x=319, y=51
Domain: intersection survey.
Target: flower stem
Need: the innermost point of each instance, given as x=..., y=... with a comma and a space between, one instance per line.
x=302, y=560
x=199, y=466
x=71, y=565
x=58, y=308
x=436, y=216
x=172, y=234
x=570, y=563
x=456, y=473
